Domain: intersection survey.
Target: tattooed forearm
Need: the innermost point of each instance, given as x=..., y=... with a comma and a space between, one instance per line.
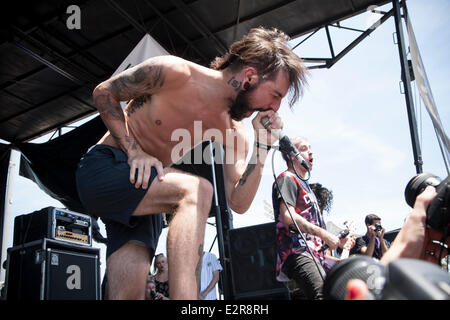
x=126, y=143
x=248, y=171
x=250, y=167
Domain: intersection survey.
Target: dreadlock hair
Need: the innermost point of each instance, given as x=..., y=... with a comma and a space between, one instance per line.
x=323, y=195
x=268, y=52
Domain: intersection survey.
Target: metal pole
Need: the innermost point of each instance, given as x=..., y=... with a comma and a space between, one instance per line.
x=8, y=217
x=223, y=253
x=407, y=86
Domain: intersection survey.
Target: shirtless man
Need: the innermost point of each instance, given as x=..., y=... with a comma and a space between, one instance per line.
x=117, y=178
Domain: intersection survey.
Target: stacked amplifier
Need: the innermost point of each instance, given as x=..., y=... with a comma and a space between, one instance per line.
x=52, y=257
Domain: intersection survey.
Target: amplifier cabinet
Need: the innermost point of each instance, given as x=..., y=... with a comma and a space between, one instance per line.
x=53, y=223
x=50, y=270
x=253, y=263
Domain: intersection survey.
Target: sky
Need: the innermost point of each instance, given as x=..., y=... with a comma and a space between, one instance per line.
x=355, y=119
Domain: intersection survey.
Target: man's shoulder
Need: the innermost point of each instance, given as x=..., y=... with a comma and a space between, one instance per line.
x=360, y=242
x=178, y=67
x=361, y=239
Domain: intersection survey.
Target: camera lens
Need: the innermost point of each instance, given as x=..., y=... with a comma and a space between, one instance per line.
x=367, y=269
x=417, y=184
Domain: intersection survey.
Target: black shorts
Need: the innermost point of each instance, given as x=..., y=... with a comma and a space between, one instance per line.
x=105, y=190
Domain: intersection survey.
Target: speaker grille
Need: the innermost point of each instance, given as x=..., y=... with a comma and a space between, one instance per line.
x=253, y=259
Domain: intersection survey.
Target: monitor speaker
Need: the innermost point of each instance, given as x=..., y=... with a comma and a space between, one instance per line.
x=51, y=270
x=253, y=263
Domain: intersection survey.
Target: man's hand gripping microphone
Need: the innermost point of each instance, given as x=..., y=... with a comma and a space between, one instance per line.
x=285, y=144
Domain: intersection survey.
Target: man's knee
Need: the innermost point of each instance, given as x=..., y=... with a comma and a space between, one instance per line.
x=198, y=191
x=205, y=190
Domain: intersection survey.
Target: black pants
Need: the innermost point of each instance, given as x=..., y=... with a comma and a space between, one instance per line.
x=304, y=271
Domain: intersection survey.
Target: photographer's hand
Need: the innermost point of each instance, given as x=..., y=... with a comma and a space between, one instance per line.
x=415, y=239
x=371, y=232
x=380, y=234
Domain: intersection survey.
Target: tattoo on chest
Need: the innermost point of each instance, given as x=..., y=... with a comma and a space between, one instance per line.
x=137, y=103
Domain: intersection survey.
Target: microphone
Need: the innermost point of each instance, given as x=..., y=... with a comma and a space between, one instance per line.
x=341, y=235
x=286, y=145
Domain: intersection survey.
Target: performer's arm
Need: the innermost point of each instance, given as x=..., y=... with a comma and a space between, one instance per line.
x=136, y=84
x=330, y=239
x=241, y=179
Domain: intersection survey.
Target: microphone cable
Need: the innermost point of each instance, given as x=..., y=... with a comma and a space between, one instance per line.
x=295, y=170
x=290, y=213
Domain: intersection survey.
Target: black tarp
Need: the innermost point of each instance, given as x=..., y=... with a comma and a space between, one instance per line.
x=52, y=164
x=5, y=153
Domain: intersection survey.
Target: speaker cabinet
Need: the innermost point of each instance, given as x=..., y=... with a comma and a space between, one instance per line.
x=253, y=263
x=50, y=270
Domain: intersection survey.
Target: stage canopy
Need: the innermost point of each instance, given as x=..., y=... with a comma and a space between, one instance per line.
x=54, y=53
x=48, y=71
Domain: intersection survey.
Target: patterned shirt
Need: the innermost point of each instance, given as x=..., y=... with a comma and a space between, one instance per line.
x=162, y=287
x=298, y=194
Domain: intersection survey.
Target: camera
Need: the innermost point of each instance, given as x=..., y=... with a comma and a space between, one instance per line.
x=402, y=279
x=438, y=211
x=378, y=227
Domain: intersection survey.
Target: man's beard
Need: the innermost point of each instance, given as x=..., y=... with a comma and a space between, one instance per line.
x=241, y=105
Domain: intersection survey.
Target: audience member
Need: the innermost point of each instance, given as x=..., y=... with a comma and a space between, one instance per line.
x=372, y=244
x=150, y=291
x=211, y=268
x=161, y=276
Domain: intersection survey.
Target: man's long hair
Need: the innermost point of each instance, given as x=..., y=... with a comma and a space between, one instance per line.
x=266, y=50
